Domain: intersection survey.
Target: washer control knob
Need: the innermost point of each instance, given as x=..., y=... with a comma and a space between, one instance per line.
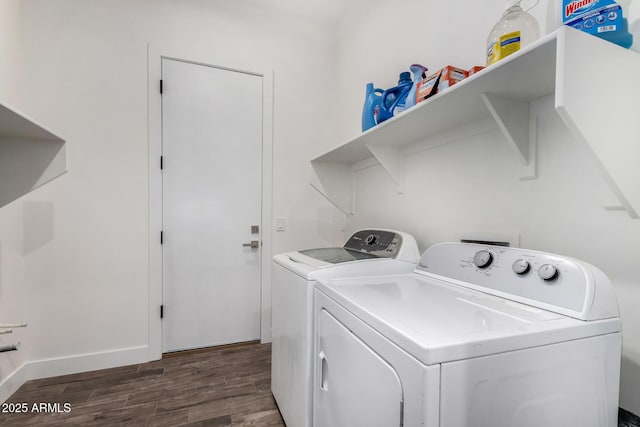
x=371, y=239
x=483, y=259
x=521, y=266
x=548, y=272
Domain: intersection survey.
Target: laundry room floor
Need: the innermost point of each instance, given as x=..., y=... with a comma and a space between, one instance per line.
x=226, y=386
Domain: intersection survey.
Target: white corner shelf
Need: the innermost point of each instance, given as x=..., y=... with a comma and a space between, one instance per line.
x=594, y=88
x=30, y=155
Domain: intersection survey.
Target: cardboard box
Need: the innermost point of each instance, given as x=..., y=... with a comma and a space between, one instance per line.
x=474, y=70
x=437, y=82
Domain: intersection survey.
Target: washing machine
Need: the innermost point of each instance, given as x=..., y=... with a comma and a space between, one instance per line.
x=366, y=252
x=478, y=336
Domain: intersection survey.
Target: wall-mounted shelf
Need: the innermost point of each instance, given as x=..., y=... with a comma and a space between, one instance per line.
x=30, y=155
x=570, y=64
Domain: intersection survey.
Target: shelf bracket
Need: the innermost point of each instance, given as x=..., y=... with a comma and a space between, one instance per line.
x=518, y=126
x=391, y=160
x=28, y=163
x=606, y=122
x=335, y=182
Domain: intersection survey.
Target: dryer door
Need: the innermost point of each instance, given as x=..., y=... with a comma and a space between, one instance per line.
x=353, y=386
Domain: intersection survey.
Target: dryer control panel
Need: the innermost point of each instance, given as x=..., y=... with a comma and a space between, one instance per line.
x=380, y=243
x=560, y=284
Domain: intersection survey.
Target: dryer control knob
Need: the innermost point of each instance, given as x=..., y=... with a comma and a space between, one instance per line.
x=521, y=266
x=548, y=272
x=371, y=239
x=483, y=259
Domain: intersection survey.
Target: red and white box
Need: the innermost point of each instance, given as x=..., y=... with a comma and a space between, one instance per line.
x=439, y=81
x=474, y=70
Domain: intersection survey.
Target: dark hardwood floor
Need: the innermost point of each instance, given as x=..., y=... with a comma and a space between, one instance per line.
x=227, y=386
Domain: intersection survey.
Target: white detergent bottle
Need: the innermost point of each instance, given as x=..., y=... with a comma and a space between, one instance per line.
x=515, y=30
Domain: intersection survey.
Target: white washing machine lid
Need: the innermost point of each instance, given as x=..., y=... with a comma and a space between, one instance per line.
x=336, y=255
x=437, y=322
x=366, y=252
x=314, y=269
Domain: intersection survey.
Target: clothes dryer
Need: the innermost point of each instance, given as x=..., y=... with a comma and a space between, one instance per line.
x=477, y=336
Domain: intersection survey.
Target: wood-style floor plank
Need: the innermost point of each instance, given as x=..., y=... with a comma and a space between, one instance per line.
x=225, y=386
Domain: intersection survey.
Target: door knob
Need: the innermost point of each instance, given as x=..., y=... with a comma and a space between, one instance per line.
x=254, y=244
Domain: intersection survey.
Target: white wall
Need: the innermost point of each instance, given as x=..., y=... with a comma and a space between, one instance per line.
x=473, y=185
x=83, y=237
x=9, y=48
x=12, y=296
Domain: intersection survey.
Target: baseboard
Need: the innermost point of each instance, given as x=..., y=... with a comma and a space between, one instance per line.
x=627, y=419
x=86, y=362
x=13, y=382
x=56, y=366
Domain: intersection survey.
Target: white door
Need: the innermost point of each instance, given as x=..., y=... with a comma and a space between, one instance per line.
x=353, y=386
x=212, y=168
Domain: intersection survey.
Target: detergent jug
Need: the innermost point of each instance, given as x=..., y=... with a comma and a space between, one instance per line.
x=394, y=97
x=371, y=106
x=515, y=30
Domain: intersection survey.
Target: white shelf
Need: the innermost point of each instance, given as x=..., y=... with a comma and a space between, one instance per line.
x=509, y=93
x=30, y=155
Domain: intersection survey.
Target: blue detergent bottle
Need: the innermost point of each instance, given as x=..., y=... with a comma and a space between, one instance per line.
x=371, y=106
x=602, y=18
x=419, y=73
x=394, y=98
x=620, y=36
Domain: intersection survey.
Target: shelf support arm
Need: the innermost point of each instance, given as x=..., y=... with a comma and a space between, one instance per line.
x=518, y=126
x=391, y=160
x=335, y=182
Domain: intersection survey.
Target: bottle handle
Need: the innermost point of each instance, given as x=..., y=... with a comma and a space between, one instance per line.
x=383, y=99
x=402, y=95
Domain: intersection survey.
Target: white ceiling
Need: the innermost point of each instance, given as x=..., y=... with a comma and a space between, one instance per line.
x=322, y=11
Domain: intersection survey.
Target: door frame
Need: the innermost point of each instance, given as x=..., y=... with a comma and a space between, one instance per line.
x=154, y=107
